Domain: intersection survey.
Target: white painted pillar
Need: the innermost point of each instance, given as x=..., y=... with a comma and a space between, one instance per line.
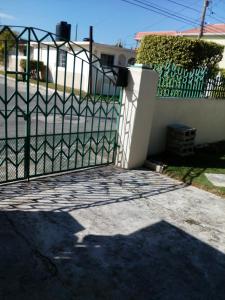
x=136, y=117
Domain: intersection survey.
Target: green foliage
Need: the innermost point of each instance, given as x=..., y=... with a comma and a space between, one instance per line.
x=7, y=39
x=185, y=52
x=222, y=73
x=33, y=65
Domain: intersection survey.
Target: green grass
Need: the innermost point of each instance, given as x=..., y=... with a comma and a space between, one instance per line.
x=50, y=85
x=191, y=170
x=60, y=88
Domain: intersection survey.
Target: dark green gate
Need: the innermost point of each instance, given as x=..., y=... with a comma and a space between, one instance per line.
x=59, y=106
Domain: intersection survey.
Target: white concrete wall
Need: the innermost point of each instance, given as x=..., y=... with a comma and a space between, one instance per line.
x=12, y=62
x=206, y=115
x=136, y=118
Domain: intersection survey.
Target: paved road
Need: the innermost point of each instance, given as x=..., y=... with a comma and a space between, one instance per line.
x=111, y=234
x=47, y=119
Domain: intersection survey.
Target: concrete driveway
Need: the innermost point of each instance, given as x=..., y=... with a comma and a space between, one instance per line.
x=111, y=234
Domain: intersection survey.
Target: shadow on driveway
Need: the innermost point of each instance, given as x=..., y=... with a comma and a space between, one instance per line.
x=90, y=188
x=41, y=257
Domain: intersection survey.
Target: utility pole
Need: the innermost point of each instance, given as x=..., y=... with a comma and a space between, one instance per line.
x=205, y=6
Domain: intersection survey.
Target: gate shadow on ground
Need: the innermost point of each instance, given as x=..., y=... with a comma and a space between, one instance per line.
x=41, y=257
x=96, y=187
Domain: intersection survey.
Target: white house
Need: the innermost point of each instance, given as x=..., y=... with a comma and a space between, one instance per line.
x=71, y=66
x=212, y=33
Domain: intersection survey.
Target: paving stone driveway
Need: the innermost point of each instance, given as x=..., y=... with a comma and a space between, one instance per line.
x=111, y=234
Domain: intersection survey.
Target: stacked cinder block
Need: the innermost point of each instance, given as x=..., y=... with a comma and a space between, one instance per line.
x=180, y=139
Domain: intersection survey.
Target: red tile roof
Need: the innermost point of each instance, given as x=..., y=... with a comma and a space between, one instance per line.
x=140, y=35
x=210, y=29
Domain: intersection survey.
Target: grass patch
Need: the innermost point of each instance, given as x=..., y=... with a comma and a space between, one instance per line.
x=191, y=170
x=50, y=85
x=60, y=88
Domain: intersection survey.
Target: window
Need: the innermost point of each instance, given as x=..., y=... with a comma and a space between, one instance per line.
x=24, y=51
x=122, y=60
x=107, y=60
x=131, y=61
x=62, y=58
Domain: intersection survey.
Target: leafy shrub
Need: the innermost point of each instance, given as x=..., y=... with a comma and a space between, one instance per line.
x=7, y=39
x=33, y=65
x=222, y=73
x=185, y=52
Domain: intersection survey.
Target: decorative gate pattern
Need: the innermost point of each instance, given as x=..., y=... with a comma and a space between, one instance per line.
x=58, y=106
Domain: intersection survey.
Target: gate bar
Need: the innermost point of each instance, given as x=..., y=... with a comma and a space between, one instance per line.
x=90, y=62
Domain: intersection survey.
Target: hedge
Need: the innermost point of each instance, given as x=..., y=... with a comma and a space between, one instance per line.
x=6, y=36
x=33, y=65
x=185, y=52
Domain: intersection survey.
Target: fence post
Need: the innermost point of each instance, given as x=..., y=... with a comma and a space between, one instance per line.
x=136, y=117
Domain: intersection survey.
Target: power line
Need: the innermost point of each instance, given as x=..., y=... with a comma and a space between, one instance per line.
x=216, y=18
x=159, y=11
x=183, y=5
x=193, y=9
x=159, y=22
x=169, y=14
x=212, y=13
x=152, y=24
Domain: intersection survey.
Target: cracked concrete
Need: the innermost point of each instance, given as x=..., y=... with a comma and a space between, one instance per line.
x=111, y=234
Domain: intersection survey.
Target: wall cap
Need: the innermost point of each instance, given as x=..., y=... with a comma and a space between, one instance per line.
x=142, y=66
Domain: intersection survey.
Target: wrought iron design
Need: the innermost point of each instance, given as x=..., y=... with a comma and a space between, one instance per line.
x=51, y=119
x=176, y=81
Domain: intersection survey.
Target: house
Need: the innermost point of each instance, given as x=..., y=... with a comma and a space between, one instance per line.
x=72, y=64
x=212, y=33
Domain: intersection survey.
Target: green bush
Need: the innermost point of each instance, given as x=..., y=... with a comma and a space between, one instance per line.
x=185, y=52
x=33, y=65
x=6, y=36
x=222, y=73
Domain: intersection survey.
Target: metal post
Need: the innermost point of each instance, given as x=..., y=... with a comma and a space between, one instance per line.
x=27, y=147
x=27, y=63
x=27, y=113
x=76, y=34
x=90, y=59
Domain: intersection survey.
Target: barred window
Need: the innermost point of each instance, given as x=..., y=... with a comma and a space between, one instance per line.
x=107, y=60
x=62, y=58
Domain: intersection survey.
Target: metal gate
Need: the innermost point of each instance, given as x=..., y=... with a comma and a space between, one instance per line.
x=59, y=106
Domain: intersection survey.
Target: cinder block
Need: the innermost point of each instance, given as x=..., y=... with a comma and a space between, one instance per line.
x=180, y=139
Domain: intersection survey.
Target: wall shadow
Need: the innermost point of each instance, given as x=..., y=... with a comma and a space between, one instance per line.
x=41, y=257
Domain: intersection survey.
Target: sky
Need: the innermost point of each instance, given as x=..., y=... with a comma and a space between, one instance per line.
x=113, y=20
